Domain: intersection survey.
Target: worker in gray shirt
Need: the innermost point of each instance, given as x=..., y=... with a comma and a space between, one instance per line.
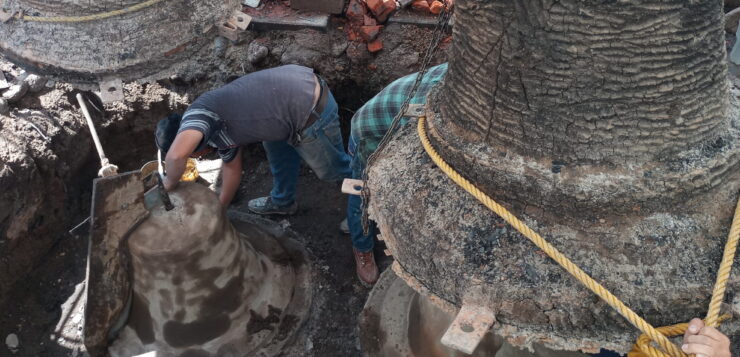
x=289, y=109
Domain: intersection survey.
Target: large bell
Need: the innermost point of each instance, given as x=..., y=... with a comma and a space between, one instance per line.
x=203, y=286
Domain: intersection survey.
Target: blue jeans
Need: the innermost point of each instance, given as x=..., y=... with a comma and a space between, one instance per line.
x=320, y=147
x=361, y=242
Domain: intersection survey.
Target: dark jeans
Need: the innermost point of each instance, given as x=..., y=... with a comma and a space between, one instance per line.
x=321, y=148
x=361, y=242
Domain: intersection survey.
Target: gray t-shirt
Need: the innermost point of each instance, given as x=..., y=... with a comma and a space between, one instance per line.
x=268, y=105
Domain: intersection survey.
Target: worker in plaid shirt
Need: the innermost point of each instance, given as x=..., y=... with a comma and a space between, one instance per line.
x=369, y=125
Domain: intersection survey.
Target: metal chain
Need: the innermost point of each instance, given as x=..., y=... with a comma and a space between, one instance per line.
x=439, y=30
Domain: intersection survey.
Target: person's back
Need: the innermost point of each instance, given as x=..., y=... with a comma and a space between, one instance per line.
x=372, y=121
x=268, y=105
x=289, y=109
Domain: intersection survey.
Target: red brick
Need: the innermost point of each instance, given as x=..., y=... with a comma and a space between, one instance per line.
x=370, y=21
x=351, y=34
x=356, y=10
x=390, y=4
x=389, y=7
x=375, y=6
x=369, y=33
x=375, y=46
x=420, y=6
x=436, y=7
x=372, y=66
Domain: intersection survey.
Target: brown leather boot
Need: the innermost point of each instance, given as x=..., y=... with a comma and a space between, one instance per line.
x=367, y=270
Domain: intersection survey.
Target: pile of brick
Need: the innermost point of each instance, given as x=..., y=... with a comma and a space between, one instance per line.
x=431, y=6
x=364, y=18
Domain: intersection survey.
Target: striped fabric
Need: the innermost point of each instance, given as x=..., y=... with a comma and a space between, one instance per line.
x=373, y=120
x=213, y=130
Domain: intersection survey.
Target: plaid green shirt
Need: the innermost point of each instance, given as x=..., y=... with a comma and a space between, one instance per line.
x=373, y=120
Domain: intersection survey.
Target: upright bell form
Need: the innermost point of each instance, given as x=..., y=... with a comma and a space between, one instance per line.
x=203, y=286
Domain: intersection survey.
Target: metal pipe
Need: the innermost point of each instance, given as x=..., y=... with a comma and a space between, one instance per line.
x=93, y=132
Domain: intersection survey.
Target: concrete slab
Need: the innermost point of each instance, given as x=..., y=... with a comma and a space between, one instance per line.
x=276, y=16
x=409, y=17
x=327, y=6
x=298, y=22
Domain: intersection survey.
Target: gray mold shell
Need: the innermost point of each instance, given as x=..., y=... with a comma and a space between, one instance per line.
x=143, y=44
x=451, y=248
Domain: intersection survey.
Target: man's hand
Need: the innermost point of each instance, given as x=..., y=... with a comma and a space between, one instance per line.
x=177, y=157
x=705, y=341
x=231, y=177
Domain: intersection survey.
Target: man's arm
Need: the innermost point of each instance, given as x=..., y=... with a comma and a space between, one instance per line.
x=231, y=176
x=177, y=157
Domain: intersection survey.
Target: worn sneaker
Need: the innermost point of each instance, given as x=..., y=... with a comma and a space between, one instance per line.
x=367, y=270
x=344, y=226
x=264, y=205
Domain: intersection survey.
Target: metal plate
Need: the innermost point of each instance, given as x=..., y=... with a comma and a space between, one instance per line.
x=111, y=90
x=471, y=325
x=117, y=208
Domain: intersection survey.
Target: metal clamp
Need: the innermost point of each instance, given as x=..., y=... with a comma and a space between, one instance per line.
x=414, y=110
x=469, y=327
x=230, y=28
x=111, y=90
x=352, y=186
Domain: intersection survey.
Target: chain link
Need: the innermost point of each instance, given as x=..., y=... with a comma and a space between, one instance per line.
x=439, y=31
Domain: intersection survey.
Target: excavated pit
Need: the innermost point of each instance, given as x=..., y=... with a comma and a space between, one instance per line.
x=48, y=161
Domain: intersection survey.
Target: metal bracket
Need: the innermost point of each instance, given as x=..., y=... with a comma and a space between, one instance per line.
x=230, y=28
x=111, y=90
x=414, y=110
x=352, y=186
x=469, y=327
x=240, y=20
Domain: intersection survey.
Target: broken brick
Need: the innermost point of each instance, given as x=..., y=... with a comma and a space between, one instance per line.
x=436, y=7
x=375, y=46
x=420, y=6
x=370, y=21
x=356, y=10
x=352, y=35
x=375, y=6
x=381, y=8
x=389, y=6
x=369, y=33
